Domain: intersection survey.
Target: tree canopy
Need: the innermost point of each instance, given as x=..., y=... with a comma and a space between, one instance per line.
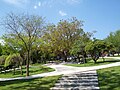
x=97, y=48
x=114, y=38
x=24, y=29
x=62, y=37
x=38, y=41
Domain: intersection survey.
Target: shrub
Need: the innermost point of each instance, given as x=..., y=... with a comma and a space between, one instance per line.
x=14, y=59
x=2, y=59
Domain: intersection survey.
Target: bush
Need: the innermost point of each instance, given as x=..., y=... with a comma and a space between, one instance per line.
x=2, y=59
x=14, y=59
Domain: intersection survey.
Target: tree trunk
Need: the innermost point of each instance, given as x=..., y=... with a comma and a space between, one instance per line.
x=27, y=63
x=4, y=70
x=113, y=54
x=103, y=59
x=118, y=53
x=21, y=70
x=85, y=59
x=13, y=70
x=95, y=60
x=84, y=56
x=65, y=58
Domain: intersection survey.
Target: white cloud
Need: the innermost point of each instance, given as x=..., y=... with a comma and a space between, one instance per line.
x=11, y=1
x=16, y=2
x=39, y=4
x=53, y=3
x=62, y=13
x=35, y=7
x=74, y=1
x=47, y=3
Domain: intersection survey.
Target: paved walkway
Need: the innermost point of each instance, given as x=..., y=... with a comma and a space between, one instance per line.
x=62, y=69
x=78, y=81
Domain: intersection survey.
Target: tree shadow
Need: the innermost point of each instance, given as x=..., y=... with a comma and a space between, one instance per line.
x=31, y=84
x=109, y=80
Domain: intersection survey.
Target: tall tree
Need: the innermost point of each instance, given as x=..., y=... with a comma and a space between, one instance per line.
x=96, y=48
x=62, y=36
x=78, y=48
x=25, y=28
x=114, y=38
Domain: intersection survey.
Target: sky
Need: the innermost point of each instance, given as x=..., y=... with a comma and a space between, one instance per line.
x=102, y=16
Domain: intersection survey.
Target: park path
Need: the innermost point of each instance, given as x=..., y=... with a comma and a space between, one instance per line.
x=62, y=69
x=78, y=81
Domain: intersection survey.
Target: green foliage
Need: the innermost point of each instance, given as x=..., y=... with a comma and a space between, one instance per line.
x=12, y=45
x=13, y=59
x=1, y=49
x=96, y=48
x=114, y=38
x=80, y=43
x=2, y=59
x=6, y=50
x=25, y=29
x=62, y=37
x=7, y=61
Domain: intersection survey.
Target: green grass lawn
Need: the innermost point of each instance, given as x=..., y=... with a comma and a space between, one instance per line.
x=91, y=62
x=34, y=69
x=109, y=78
x=33, y=84
x=115, y=56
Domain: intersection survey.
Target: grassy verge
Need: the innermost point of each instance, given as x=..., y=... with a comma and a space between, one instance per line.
x=91, y=62
x=115, y=56
x=34, y=69
x=109, y=78
x=33, y=84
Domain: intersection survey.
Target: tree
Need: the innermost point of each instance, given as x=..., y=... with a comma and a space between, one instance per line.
x=96, y=48
x=25, y=28
x=62, y=36
x=114, y=38
x=78, y=47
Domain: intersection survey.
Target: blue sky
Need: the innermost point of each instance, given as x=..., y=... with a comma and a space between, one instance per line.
x=102, y=16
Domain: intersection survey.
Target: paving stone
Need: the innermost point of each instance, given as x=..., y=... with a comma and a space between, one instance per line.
x=78, y=81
